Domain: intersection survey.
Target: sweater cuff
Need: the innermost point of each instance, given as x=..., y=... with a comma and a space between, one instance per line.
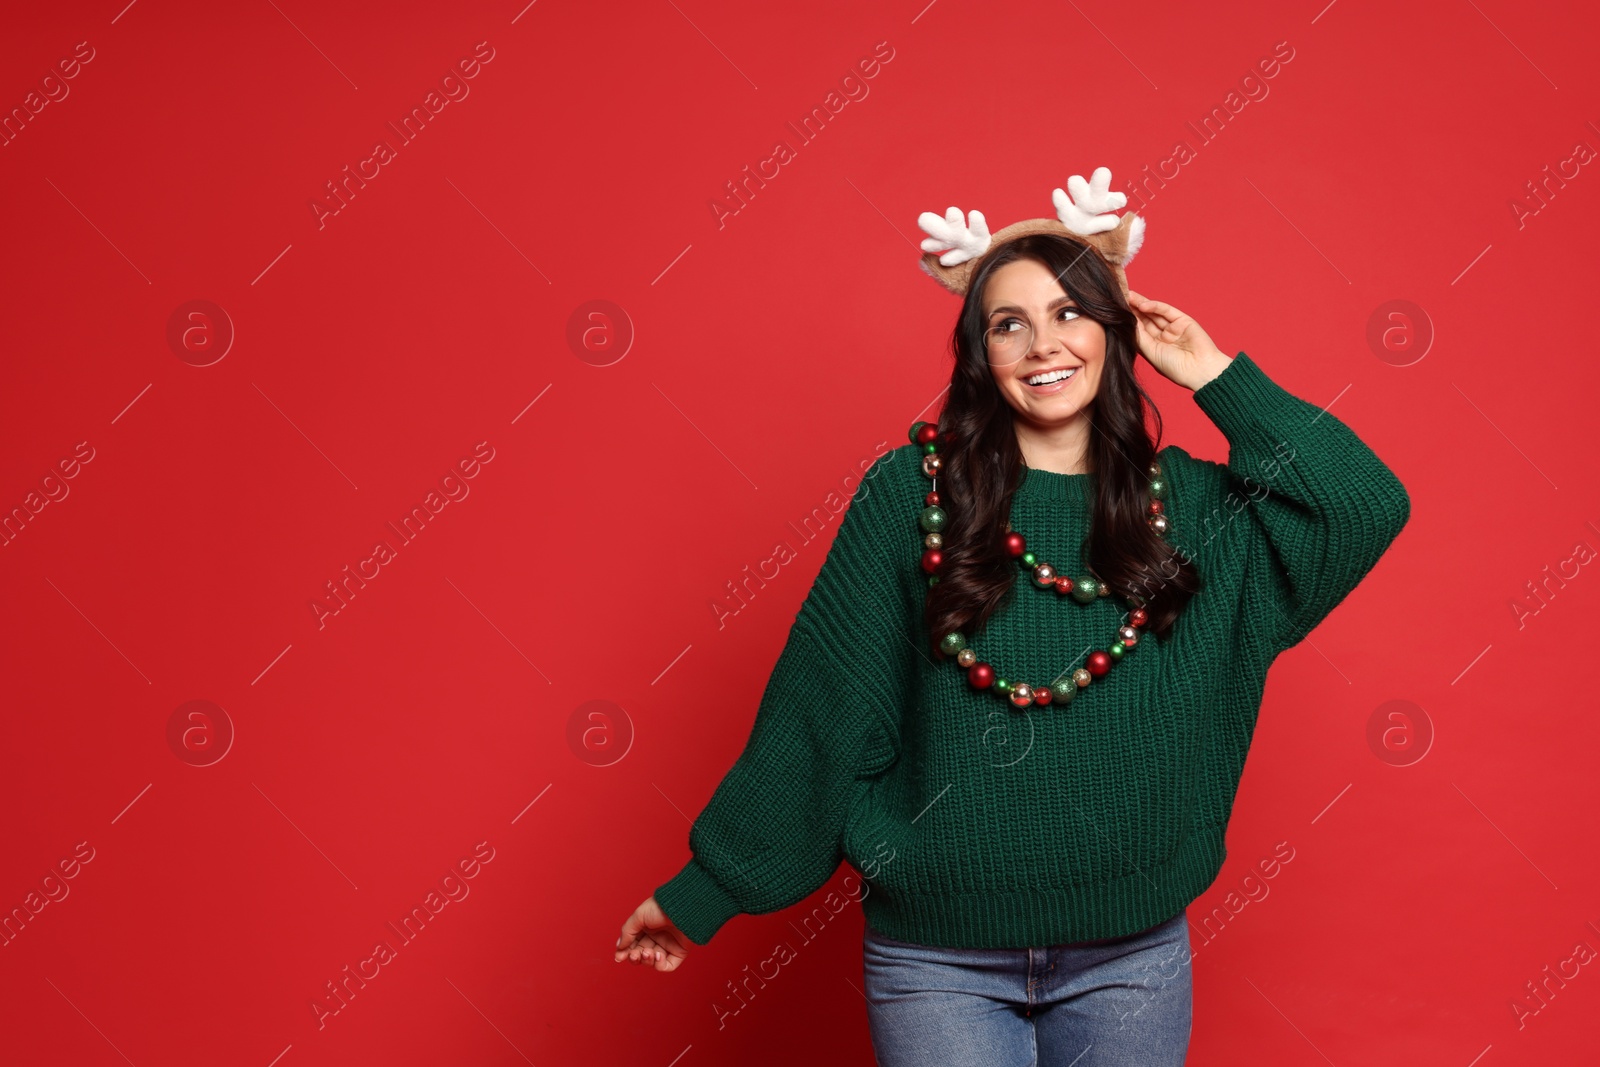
x=1243, y=396
x=695, y=903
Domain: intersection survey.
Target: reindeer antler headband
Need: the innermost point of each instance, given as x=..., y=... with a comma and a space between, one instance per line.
x=1086, y=217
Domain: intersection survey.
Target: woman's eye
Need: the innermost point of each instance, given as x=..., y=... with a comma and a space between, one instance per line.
x=1068, y=311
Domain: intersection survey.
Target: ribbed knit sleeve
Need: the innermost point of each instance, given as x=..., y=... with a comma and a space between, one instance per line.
x=827, y=723
x=1327, y=506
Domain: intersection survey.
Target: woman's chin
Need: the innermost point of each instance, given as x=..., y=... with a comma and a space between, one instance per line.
x=1056, y=406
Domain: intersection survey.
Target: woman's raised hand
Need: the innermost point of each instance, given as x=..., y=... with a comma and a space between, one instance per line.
x=649, y=937
x=1175, y=344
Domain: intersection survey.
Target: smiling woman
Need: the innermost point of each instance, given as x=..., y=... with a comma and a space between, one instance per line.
x=1032, y=896
x=1064, y=343
x=1036, y=308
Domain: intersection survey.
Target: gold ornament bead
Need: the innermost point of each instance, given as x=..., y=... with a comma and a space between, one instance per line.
x=1044, y=576
x=933, y=540
x=966, y=657
x=1022, y=694
x=932, y=465
x=1082, y=677
x=1129, y=636
x=1104, y=590
x=1159, y=524
x=1155, y=470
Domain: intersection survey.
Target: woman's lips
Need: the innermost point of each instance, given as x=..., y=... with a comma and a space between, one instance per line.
x=1053, y=387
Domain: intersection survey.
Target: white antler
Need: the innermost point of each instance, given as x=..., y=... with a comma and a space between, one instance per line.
x=1088, y=210
x=965, y=238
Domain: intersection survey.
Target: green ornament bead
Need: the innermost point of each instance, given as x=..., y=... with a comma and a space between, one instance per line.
x=933, y=518
x=916, y=428
x=1028, y=560
x=1063, y=691
x=931, y=447
x=1116, y=650
x=933, y=580
x=1158, y=488
x=952, y=643
x=1085, y=589
x=1002, y=686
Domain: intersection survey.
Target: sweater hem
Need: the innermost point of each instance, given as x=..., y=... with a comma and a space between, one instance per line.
x=1043, y=916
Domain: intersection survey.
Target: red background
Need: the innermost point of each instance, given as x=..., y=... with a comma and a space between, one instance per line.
x=770, y=357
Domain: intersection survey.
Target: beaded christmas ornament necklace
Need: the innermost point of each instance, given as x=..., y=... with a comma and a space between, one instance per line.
x=1083, y=590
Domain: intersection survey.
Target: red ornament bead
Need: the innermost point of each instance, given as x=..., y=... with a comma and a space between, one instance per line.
x=927, y=433
x=1015, y=544
x=1042, y=695
x=980, y=675
x=1063, y=584
x=931, y=559
x=1138, y=618
x=1155, y=507
x=1099, y=663
x=931, y=499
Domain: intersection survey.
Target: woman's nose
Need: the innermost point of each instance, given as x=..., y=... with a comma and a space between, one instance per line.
x=1045, y=342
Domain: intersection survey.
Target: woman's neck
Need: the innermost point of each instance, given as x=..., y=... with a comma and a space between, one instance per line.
x=1062, y=449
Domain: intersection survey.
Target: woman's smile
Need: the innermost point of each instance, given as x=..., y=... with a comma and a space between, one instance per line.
x=1045, y=383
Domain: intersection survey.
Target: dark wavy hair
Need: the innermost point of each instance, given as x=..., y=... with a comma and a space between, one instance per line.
x=983, y=465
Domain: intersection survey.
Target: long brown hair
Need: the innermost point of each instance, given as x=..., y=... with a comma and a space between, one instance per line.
x=983, y=465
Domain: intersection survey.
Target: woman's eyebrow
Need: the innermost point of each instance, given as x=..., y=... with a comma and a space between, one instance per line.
x=1057, y=302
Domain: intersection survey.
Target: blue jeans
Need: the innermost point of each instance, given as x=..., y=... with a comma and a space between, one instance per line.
x=1118, y=1002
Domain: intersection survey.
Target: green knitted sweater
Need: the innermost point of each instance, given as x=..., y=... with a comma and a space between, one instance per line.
x=977, y=825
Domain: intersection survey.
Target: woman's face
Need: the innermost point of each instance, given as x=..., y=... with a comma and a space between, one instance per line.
x=1024, y=294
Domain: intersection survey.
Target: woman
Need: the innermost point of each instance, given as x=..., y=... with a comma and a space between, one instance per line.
x=1035, y=782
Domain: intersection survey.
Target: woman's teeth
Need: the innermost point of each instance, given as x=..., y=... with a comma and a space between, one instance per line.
x=1053, y=376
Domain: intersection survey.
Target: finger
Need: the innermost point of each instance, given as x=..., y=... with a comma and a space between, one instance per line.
x=1134, y=294
x=1152, y=307
x=1156, y=311
x=624, y=940
x=1165, y=310
x=645, y=950
x=671, y=956
x=1161, y=320
x=1146, y=310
